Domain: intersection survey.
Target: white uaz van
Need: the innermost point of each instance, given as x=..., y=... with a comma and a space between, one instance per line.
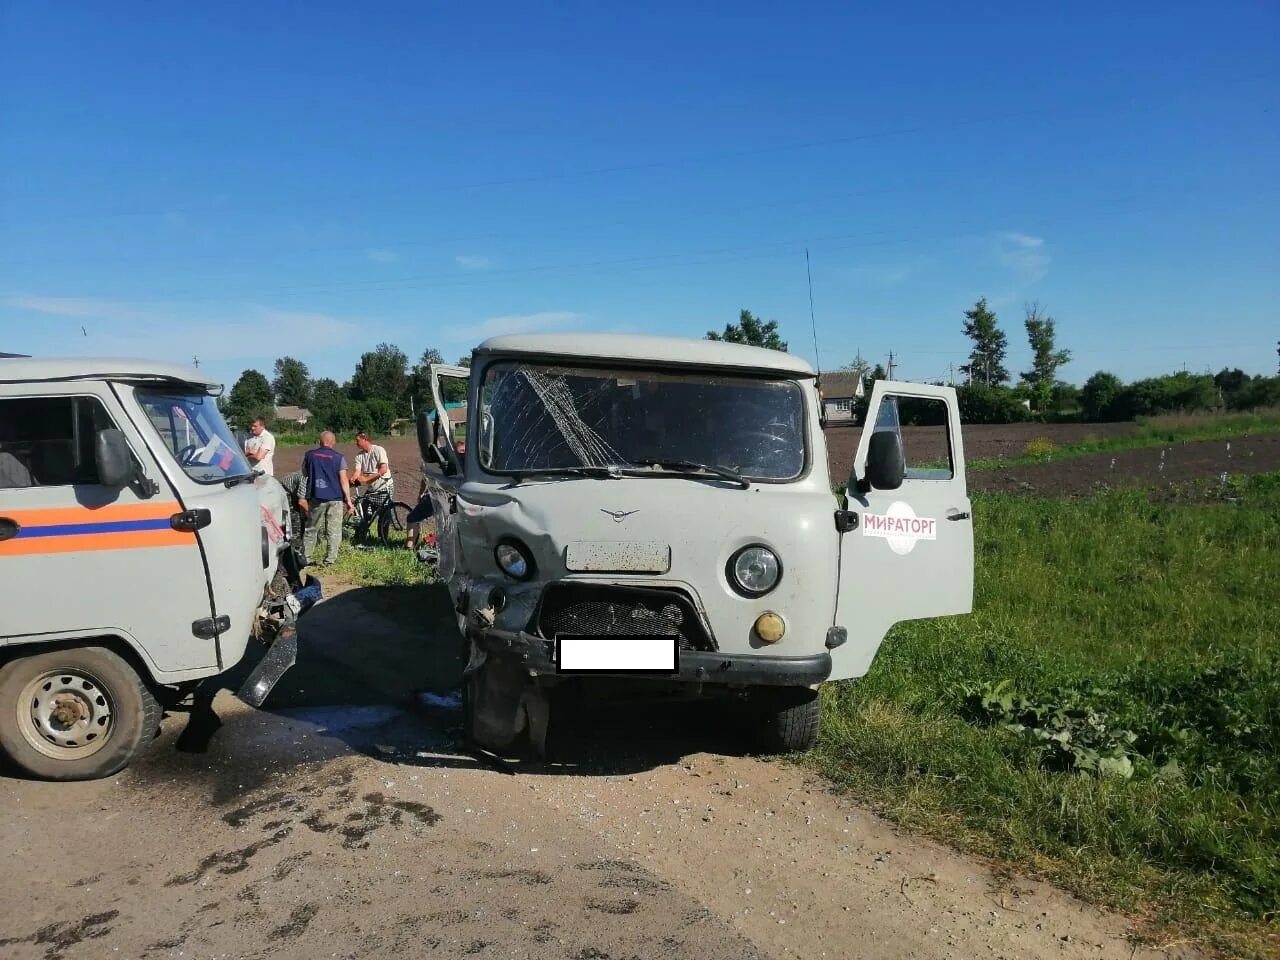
x=139, y=553
x=661, y=509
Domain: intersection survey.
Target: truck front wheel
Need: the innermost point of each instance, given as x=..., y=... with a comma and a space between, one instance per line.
x=76, y=714
x=786, y=718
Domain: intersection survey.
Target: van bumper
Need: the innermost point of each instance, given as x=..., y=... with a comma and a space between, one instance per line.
x=733, y=669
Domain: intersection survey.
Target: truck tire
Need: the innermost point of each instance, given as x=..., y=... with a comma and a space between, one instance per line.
x=786, y=718
x=81, y=713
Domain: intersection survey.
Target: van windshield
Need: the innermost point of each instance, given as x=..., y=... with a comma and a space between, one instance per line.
x=538, y=417
x=190, y=425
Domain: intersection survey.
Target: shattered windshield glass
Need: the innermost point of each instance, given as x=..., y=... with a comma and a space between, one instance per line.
x=540, y=417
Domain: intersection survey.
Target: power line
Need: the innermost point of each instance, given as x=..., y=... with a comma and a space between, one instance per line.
x=1105, y=102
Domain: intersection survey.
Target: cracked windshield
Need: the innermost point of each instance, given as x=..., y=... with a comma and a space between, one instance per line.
x=549, y=417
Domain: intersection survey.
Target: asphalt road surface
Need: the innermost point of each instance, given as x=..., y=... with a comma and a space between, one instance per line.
x=342, y=821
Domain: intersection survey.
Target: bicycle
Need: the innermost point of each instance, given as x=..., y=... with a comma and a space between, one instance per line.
x=376, y=512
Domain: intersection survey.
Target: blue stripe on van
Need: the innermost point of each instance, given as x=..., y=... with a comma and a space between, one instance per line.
x=82, y=529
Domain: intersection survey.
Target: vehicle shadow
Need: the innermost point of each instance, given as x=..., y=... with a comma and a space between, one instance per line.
x=378, y=669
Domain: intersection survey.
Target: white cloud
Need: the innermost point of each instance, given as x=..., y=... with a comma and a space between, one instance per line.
x=514, y=323
x=170, y=331
x=1024, y=254
x=381, y=256
x=77, y=307
x=473, y=262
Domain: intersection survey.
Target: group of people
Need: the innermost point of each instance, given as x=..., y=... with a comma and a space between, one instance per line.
x=321, y=492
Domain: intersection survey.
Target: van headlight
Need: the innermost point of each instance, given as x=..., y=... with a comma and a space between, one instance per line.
x=514, y=560
x=754, y=571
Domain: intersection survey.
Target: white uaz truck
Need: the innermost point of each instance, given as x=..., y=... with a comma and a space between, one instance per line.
x=660, y=510
x=139, y=554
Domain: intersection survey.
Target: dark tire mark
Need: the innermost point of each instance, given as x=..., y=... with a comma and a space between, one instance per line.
x=58, y=937
x=298, y=921
x=614, y=907
x=229, y=862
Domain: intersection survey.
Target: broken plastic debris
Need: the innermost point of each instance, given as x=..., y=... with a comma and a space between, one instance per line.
x=441, y=701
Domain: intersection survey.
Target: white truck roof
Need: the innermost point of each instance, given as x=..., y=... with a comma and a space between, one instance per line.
x=629, y=347
x=46, y=369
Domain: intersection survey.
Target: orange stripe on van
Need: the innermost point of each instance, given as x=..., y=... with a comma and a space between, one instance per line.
x=135, y=540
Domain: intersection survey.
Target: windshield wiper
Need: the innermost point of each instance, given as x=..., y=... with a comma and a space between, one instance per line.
x=245, y=478
x=607, y=473
x=692, y=467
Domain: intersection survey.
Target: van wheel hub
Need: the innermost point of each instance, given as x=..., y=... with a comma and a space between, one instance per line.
x=65, y=714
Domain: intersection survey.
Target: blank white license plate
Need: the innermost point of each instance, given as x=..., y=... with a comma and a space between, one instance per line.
x=617, y=654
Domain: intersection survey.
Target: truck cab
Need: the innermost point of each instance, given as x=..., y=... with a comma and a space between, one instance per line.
x=139, y=554
x=660, y=510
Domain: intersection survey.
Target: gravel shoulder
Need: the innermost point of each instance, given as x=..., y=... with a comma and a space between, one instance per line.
x=343, y=821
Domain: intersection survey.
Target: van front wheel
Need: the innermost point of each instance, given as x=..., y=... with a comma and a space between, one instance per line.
x=786, y=718
x=75, y=714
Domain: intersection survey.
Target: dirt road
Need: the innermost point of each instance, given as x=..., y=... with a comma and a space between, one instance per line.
x=343, y=822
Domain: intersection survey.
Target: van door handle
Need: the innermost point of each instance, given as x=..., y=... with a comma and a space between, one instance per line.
x=9, y=528
x=957, y=515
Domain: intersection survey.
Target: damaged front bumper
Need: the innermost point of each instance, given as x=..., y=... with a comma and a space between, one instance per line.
x=537, y=656
x=277, y=635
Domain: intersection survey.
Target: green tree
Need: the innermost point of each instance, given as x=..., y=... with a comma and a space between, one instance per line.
x=1045, y=358
x=1064, y=398
x=250, y=397
x=381, y=375
x=986, y=359
x=751, y=330
x=292, y=382
x=325, y=396
x=1099, y=394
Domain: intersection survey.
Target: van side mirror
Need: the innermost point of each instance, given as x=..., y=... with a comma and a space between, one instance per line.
x=426, y=442
x=112, y=458
x=886, y=465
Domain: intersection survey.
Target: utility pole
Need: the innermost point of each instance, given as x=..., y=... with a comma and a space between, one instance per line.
x=951, y=374
x=891, y=364
x=195, y=362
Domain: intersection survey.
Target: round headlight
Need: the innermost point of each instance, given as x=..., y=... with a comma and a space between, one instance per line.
x=754, y=571
x=513, y=560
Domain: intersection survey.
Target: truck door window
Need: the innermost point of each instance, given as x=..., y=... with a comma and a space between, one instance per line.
x=926, y=440
x=48, y=441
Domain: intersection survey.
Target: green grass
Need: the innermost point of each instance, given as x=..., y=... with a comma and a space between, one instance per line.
x=1121, y=625
x=1152, y=432
x=381, y=566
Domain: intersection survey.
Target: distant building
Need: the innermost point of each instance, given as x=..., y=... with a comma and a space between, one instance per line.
x=298, y=415
x=839, y=391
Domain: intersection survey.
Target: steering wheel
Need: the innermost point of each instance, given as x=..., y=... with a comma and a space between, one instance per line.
x=186, y=456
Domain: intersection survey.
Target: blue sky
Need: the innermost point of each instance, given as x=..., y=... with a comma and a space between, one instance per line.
x=239, y=181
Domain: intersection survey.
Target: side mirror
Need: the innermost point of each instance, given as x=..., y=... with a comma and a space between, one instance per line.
x=112, y=457
x=426, y=445
x=886, y=465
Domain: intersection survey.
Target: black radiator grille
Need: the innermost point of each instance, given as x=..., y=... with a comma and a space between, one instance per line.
x=595, y=611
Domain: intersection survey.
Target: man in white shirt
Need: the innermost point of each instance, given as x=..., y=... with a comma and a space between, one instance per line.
x=260, y=448
x=373, y=468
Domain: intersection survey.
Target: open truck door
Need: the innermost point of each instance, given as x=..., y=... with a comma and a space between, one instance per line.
x=906, y=552
x=435, y=443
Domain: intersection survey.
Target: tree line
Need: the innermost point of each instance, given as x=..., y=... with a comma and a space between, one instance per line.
x=989, y=395
x=383, y=388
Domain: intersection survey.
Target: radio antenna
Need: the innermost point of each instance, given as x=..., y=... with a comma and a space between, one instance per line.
x=812, y=322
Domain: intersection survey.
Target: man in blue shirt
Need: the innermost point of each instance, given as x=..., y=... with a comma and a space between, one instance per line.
x=327, y=487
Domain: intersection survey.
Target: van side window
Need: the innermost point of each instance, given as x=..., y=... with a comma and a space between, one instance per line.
x=921, y=422
x=48, y=441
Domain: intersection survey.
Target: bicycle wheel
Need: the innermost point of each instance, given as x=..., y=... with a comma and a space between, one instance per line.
x=393, y=524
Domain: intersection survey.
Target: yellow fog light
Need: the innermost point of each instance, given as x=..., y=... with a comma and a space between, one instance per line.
x=769, y=627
